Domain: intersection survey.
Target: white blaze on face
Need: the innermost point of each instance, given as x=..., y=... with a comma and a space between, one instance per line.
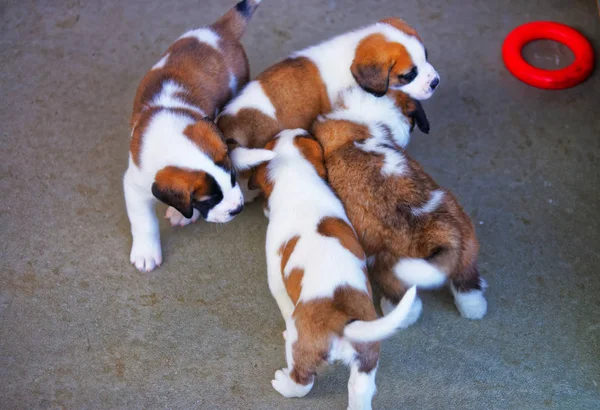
x=421, y=87
x=232, y=200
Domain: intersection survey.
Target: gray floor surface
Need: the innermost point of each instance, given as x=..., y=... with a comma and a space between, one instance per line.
x=81, y=328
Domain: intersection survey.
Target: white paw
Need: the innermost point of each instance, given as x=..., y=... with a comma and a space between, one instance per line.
x=471, y=305
x=287, y=387
x=177, y=219
x=266, y=212
x=146, y=254
x=284, y=334
x=413, y=315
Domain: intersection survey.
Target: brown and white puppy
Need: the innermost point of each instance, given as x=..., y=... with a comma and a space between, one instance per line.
x=177, y=155
x=388, y=55
x=415, y=231
x=317, y=272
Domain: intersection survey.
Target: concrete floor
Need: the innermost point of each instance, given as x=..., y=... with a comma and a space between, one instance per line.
x=81, y=328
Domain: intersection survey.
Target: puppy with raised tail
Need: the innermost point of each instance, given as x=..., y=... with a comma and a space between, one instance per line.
x=177, y=155
x=414, y=231
x=317, y=271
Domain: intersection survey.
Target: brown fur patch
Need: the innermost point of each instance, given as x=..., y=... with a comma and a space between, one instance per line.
x=286, y=250
x=312, y=151
x=378, y=63
x=208, y=138
x=338, y=228
x=333, y=134
x=293, y=283
x=249, y=127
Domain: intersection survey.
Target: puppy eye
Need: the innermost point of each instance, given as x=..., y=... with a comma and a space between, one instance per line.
x=408, y=77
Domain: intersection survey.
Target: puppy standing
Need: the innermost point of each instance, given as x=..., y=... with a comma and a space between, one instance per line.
x=317, y=271
x=291, y=94
x=177, y=155
x=416, y=232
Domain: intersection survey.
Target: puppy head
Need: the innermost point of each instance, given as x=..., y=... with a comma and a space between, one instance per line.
x=208, y=183
x=396, y=59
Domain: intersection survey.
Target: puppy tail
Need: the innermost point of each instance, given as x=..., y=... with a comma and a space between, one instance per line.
x=233, y=24
x=419, y=272
x=377, y=330
x=246, y=158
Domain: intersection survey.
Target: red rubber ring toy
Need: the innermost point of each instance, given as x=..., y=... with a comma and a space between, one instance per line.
x=575, y=73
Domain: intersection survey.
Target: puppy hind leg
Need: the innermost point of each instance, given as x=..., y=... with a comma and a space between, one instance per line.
x=468, y=289
x=297, y=379
x=361, y=385
x=277, y=286
x=146, y=253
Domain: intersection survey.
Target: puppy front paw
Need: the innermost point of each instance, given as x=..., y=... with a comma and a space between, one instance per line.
x=146, y=254
x=284, y=384
x=177, y=219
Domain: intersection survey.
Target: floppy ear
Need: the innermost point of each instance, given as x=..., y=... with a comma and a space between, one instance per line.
x=175, y=186
x=246, y=158
x=178, y=199
x=313, y=152
x=419, y=117
x=413, y=110
x=371, y=66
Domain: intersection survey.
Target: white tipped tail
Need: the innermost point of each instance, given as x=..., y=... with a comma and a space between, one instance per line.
x=246, y=158
x=419, y=272
x=376, y=330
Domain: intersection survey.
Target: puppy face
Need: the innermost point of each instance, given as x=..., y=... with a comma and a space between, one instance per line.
x=396, y=60
x=210, y=187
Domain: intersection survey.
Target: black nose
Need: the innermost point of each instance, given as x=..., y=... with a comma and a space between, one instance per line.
x=236, y=210
x=435, y=83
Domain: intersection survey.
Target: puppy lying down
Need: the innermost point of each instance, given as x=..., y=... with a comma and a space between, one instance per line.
x=317, y=271
x=414, y=231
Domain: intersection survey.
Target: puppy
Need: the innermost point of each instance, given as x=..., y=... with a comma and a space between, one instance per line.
x=177, y=155
x=388, y=55
x=414, y=232
x=317, y=272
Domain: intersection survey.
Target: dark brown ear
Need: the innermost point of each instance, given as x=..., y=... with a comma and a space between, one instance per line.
x=413, y=110
x=175, y=186
x=371, y=66
x=419, y=117
x=313, y=152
